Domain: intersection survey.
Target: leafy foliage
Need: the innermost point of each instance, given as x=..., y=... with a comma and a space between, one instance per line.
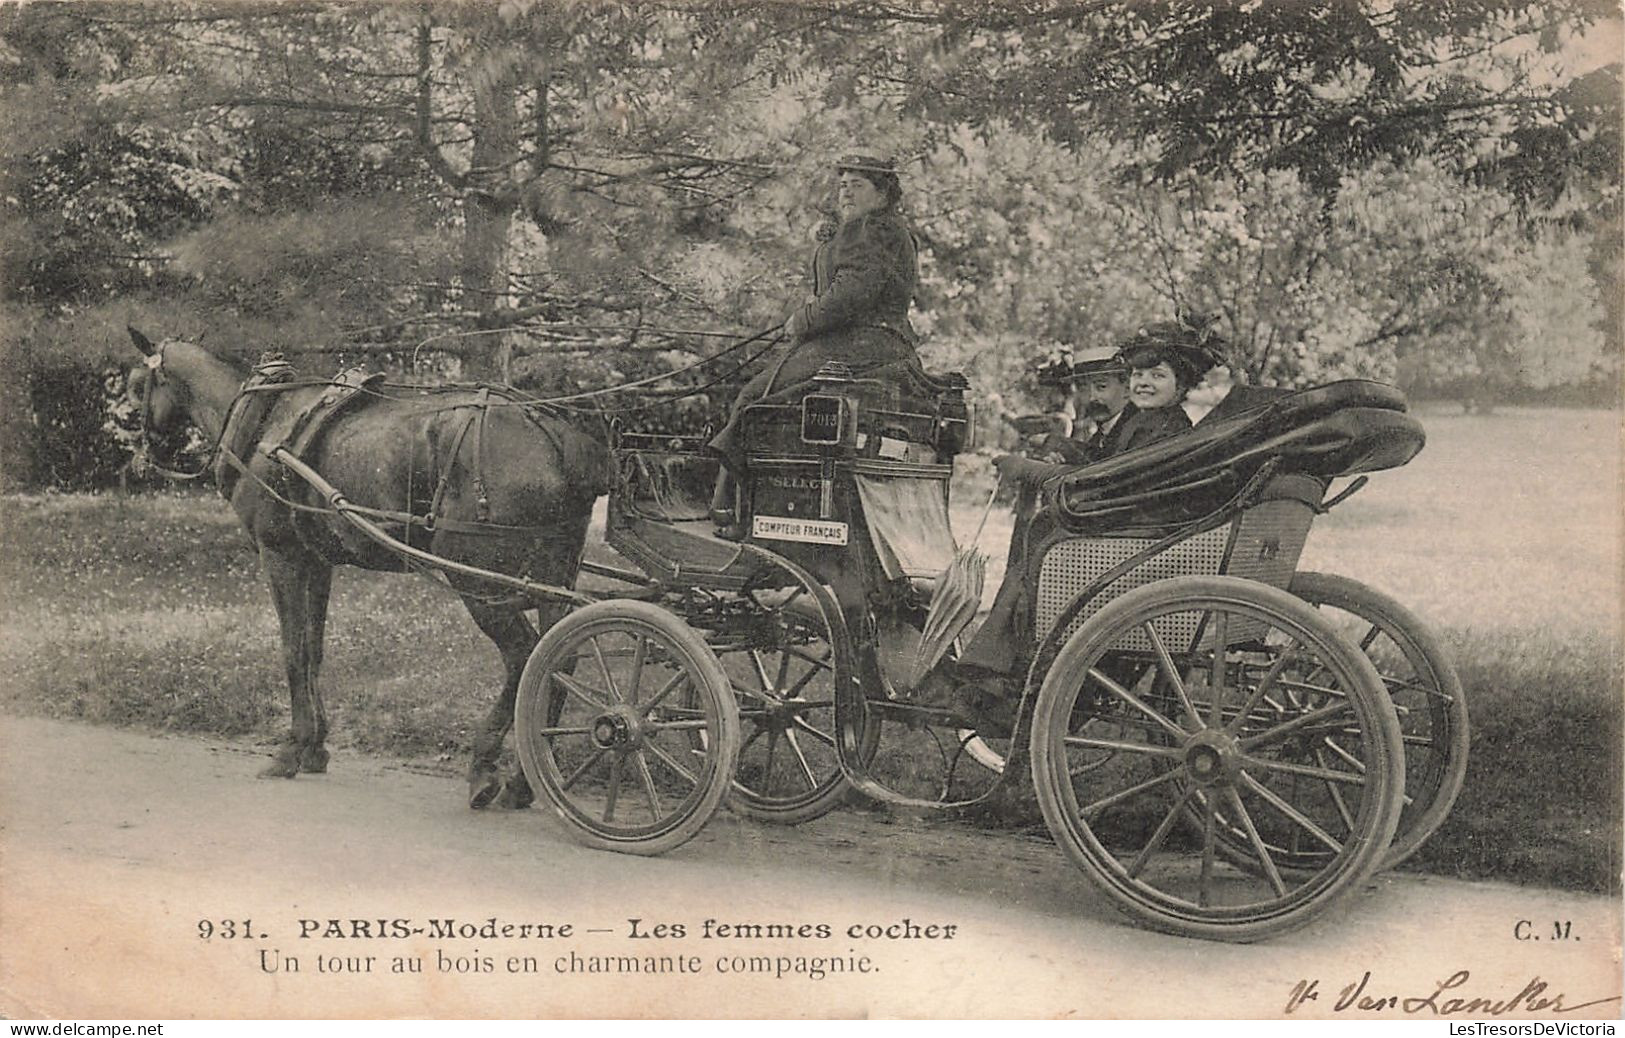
x=577, y=194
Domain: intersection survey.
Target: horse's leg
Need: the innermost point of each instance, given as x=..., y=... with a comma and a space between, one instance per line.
x=317, y=592
x=291, y=581
x=514, y=638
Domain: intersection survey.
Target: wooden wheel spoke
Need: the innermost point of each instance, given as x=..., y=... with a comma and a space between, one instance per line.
x=1293, y=814
x=1336, y=794
x=1165, y=661
x=1305, y=685
x=585, y=693
x=1349, y=778
x=1354, y=762
x=603, y=668
x=761, y=668
x=1137, y=703
x=1216, y=670
x=801, y=758
x=1260, y=693
x=1209, y=841
x=1145, y=748
x=1302, y=721
x=1431, y=691
x=672, y=762
x=675, y=682
x=1272, y=873
x=681, y=724
x=553, y=733
x=772, y=744
x=818, y=662
x=800, y=683
x=822, y=736
x=1096, y=806
x=639, y=654
x=649, y=790
x=614, y=787
x=1159, y=835
x=581, y=769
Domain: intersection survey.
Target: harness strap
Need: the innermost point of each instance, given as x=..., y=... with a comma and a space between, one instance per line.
x=408, y=519
x=482, y=500
x=444, y=482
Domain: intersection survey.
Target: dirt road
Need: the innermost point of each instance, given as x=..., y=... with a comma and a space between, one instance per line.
x=117, y=848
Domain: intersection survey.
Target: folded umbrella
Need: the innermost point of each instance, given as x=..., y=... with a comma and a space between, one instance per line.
x=954, y=601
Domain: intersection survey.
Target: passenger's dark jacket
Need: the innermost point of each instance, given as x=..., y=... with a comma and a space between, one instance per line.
x=995, y=647
x=1143, y=427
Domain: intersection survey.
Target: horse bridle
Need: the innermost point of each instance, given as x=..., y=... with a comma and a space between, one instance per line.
x=155, y=367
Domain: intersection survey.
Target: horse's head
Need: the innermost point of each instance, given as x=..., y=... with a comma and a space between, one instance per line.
x=161, y=400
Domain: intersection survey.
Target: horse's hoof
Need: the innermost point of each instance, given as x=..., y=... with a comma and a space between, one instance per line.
x=282, y=766
x=483, y=789
x=314, y=760
x=516, y=793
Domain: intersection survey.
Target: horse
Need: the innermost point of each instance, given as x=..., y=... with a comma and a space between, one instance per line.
x=477, y=476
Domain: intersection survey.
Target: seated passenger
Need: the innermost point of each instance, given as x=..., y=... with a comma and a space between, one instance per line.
x=1047, y=435
x=1103, y=386
x=864, y=279
x=1165, y=361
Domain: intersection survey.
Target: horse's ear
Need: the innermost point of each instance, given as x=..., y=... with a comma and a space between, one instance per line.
x=142, y=343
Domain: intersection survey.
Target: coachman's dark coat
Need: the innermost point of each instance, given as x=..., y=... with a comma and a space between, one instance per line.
x=864, y=280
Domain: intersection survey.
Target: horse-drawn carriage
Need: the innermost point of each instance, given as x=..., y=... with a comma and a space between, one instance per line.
x=1222, y=743
x=1219, y=756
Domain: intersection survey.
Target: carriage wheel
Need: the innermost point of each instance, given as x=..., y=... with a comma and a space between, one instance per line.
x=788, y=769
x=1426, y=691
x=626, y=722
x=1134, y=730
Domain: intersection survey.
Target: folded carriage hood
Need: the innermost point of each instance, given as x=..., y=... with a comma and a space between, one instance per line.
x=1334, y=430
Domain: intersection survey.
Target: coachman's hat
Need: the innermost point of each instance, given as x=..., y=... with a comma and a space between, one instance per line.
x=862, y=163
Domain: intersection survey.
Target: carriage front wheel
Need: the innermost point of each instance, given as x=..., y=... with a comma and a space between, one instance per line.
x=626, y=722
x=1233, y=705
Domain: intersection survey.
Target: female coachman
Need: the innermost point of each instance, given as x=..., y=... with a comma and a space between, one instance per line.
x=864, y=278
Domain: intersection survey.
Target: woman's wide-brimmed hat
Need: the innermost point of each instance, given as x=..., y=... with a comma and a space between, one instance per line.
x=1190, y=346
x=1054, y=368
x=865, y=163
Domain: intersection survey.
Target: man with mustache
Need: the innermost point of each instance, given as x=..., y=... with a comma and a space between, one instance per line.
x=1092, y=384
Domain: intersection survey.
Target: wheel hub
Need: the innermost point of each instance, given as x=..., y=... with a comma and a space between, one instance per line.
x=616, y=729
x=1213, y=758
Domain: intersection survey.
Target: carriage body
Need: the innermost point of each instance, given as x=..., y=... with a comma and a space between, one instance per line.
x=1175, y=653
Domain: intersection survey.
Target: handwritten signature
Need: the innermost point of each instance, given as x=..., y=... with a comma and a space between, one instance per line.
x=1533, y=998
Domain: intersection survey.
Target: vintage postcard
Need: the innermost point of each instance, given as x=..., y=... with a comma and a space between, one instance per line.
x=843, y=510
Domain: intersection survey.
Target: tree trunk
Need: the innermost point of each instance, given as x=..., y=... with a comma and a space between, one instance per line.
x=488, y=211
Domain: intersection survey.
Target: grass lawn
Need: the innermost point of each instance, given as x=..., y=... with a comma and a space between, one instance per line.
x=1505, y=533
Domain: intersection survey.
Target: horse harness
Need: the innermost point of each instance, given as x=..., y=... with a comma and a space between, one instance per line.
x=240, y=436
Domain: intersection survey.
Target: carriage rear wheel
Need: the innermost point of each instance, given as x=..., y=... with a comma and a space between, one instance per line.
x=784, y=682
x=1424, y=686
x=1141, y=723
x=627, y=724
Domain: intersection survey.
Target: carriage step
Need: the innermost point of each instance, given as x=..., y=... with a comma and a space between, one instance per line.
x=690, y=551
